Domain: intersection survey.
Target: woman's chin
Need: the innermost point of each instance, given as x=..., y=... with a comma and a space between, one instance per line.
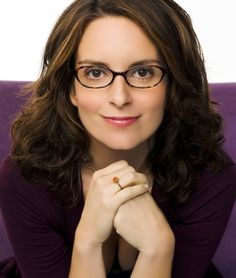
x=119, y=143
x=122, y=146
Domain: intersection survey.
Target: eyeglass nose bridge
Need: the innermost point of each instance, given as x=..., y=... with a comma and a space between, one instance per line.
x=115, y=74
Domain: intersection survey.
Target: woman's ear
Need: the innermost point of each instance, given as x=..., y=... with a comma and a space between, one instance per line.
x=73, y=97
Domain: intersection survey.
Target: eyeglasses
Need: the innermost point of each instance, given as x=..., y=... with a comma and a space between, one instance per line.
x=142, y=77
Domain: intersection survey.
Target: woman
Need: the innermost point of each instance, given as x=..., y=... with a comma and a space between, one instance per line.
x=117, y=165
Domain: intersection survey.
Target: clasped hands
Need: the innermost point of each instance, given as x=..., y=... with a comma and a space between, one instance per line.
x=128, y=206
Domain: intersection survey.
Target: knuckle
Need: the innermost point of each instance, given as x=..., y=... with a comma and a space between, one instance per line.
x=132, y=175
x=131, y=169
x=95, y=175
x=99, y=181
x=144, y=179
x=124, y=163
x=142, y=175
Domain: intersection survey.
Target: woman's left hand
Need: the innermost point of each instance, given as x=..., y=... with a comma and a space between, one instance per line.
x=142, y=224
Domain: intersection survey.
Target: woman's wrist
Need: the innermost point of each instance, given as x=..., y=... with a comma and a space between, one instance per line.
x=83, y=243
x=160, y=254
x=87, y=247
x=165, y=249
x=154, y=264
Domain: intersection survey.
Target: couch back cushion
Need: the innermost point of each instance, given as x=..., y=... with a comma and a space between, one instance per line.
x=10, y=103
x=225, y=95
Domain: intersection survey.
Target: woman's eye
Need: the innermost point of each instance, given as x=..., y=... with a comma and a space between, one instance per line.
x=144, y=72
x=94, y=73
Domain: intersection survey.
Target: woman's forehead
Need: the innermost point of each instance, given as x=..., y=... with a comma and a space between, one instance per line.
x=115, y=40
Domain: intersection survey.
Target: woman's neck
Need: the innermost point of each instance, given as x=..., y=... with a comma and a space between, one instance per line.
x=102, y=156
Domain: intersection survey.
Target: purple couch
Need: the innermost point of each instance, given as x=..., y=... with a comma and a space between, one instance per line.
x=224, y=94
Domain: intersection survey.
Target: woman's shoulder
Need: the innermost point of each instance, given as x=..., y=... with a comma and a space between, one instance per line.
x=8, y=169
x=12, y=178
x=214, y=190
x=15, y=189
x=222, y=179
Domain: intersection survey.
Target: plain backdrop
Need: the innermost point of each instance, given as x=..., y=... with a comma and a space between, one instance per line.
x=26, y=24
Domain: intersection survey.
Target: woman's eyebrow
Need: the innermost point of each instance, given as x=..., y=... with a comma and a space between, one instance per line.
x=145, y=62
x=93, y=62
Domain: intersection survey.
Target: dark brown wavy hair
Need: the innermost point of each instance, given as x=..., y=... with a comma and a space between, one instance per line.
x=49, y=140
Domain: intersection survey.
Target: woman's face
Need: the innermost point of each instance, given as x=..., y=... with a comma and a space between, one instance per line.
x=118, y=116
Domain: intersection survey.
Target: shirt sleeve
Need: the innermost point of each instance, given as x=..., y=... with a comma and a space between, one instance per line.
x=202, y=222
x=37, y=242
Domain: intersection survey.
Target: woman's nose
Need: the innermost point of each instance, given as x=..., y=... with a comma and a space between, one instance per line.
x=120, y=92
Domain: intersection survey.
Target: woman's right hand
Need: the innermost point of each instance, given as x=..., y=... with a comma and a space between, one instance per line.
x=104, y=198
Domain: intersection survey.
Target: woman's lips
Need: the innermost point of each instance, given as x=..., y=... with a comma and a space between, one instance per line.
x=121, y=121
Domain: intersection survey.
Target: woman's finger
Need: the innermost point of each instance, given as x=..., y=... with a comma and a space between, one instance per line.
x=129, y=193
x=119, y=165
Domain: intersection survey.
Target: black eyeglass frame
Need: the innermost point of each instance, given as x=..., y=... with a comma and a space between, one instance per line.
x=122, y=73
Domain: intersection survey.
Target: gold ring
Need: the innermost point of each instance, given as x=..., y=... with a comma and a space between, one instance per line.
x=116, y=180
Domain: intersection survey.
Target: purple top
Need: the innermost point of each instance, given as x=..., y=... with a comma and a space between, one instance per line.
x=42, y=233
